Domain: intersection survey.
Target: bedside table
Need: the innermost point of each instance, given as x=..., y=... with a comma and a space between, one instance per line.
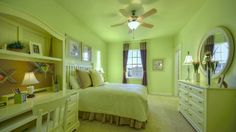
x=71, y=117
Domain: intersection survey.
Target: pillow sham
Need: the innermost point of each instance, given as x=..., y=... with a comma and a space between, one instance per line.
x=97, y=78
x=74, y=82
x=84, y=78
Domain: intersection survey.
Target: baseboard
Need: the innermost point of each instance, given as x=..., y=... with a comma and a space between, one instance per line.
x=162, y=94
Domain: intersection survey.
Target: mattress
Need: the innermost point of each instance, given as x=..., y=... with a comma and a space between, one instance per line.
x=124, y=100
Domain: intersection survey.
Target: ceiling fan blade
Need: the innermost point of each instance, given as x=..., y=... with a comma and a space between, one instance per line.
x=124, y=13
x=146, y=25
x=119, y=24
x=149, y=13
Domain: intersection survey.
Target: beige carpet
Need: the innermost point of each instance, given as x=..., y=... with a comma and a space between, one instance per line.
x=163, y=117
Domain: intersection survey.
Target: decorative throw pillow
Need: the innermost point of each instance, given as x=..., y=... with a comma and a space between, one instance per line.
x=74, y=82
x=97, y=78
x=84, y=78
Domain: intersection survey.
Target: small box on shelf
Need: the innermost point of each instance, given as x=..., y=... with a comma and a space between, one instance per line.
x=3, y=101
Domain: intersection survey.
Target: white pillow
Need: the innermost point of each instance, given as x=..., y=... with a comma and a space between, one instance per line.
x=74, y=82
x=97, y=78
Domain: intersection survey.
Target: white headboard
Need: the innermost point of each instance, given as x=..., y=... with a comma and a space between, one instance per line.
x=70, y=70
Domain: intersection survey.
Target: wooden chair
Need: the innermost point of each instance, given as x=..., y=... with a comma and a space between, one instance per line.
x=55, y=110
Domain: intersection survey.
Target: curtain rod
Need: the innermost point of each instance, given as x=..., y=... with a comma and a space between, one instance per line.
x=137, y=41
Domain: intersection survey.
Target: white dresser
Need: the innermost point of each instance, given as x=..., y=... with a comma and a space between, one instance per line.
x=208, y=109
x=71, y=117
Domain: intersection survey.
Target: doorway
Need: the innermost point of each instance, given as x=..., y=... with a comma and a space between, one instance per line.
x=177, y=70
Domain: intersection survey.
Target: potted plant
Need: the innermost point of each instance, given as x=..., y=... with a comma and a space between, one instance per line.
x=196, y=75
x=209, y=66
x=15, y=46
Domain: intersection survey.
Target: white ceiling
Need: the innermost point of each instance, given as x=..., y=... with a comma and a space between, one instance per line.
x=98, y=15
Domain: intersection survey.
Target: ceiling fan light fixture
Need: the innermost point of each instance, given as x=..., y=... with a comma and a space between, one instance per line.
x=133, y=25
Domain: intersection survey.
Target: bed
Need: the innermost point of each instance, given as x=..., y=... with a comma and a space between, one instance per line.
x=116, y=103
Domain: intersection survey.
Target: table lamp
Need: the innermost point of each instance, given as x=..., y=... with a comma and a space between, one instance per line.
x=188, y=61
x=29, y=80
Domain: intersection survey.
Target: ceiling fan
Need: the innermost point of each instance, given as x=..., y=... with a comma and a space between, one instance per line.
x=135, y=21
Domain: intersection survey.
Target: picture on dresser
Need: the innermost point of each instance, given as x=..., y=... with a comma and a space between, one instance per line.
x=35, y=48
x=73, y=47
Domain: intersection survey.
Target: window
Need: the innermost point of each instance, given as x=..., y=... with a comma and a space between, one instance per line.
x=134, y=64
x=221, y=53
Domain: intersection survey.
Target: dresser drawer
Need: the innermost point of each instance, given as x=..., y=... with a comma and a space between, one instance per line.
x=198, y=122
x=71, y=109
x=183, y=107
x=197, y=100
x=185, y=87
x=70, y=120
x=198, y=110
x=183, y=99
x=72, y=99
x=197, y=91
x=183, y=92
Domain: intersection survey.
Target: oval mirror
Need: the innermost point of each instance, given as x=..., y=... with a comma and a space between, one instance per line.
x=219, y=47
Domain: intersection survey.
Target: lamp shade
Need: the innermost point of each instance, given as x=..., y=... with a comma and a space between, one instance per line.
x=188, y=60
x=29, y=79
x=133, y=25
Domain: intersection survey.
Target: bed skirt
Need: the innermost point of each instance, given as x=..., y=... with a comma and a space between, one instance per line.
x=112, y=119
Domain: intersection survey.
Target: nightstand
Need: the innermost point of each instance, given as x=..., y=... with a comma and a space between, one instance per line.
x=71, y=117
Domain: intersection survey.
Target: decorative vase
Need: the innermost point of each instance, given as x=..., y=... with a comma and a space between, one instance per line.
x=208, y=76
x=196, y=77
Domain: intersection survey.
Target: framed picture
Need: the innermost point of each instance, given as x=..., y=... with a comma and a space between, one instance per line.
x=73, y=47
x=87, y=53
x=158, y=64
x=35, y=48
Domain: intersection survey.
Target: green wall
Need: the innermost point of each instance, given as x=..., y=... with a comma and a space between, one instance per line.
x=54, y=15
x=159, y=82
x=212, y=14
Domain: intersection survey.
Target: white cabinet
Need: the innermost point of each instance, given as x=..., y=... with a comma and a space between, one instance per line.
x=71, y=116
x=208, y=109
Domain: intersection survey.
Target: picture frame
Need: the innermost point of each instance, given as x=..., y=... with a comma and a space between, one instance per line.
x=73, y=47
x=35, y=48
x=86, y=53
x=158, y=64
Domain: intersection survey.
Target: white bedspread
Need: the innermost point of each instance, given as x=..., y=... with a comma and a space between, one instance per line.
x=124, y=100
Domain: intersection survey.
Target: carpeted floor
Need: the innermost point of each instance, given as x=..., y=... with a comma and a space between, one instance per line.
x=163, y=117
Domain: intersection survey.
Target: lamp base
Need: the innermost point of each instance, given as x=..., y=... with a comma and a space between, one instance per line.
x=30, y=95
x=30, y=90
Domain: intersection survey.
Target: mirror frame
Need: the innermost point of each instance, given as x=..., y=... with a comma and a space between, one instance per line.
x=230, y=40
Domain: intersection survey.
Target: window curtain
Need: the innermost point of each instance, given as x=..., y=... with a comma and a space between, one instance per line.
x=143, y=51
x=125, y=58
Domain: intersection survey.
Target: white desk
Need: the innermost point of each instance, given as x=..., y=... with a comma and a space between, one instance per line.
x=16, y=115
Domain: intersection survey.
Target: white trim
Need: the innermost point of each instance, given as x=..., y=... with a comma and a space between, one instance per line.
x=163, y=94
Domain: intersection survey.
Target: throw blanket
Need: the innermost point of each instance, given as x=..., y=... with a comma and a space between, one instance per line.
x=124, y=100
